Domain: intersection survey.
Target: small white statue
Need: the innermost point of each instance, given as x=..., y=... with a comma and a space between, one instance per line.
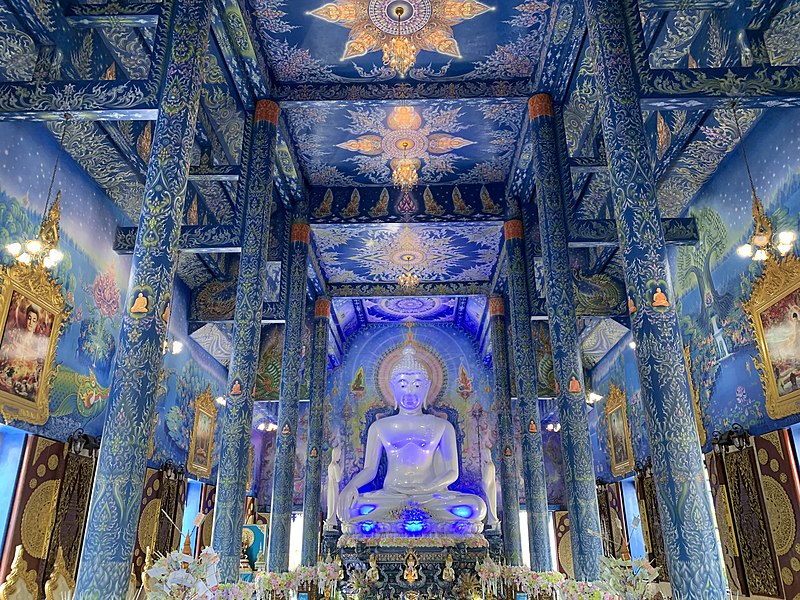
x=334, y=477
x=489, y=480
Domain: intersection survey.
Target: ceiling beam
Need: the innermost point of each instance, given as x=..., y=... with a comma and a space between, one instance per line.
x=603, y=232
x=215, y=173
x=519, y=87
x=587, y=164
x=698, y=89
x=118, y=13
x=694, y=5
x=91, y=100
x=193, y=238
x=539, y=312
x=380, y=290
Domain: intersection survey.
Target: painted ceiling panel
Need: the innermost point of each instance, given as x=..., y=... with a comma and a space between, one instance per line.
x=455, y=141
x=393, y=310
x=353, y=254
x=313, y=41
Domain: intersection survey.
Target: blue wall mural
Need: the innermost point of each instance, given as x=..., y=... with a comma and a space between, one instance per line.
x=94, y=280
x=711, y=282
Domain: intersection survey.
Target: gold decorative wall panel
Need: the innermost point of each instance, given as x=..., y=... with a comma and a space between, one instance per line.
x=750, y=521
x=619, y=530
x=33, y=512
x=208, y=497
x=782, y=501
x=734, y=569
x=563, y=543
x=71, y=512
x=646, y=490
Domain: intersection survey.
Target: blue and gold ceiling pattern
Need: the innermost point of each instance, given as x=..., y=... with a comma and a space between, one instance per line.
x=313, y=41
x=455, y=141
x=354, y=254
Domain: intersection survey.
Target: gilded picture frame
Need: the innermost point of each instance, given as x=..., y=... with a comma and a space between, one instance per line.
x=619, y=436
x=201, y=445
x=773, y=310
x=33, y=313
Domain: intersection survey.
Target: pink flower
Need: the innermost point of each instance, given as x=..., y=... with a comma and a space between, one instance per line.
x=106, y=295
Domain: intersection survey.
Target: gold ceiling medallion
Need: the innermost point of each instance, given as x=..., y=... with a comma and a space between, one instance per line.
x=774, y=312
x=619, y=437
x=400, y=28
x=202, y=439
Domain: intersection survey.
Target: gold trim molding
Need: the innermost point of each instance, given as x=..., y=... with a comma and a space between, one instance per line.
x=204, y=405
x=616, y=401
x=778, y=279
x=36, y=285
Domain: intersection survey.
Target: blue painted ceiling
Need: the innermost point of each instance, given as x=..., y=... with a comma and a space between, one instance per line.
x=313, y=41
x=456, y=141
x=373, y=254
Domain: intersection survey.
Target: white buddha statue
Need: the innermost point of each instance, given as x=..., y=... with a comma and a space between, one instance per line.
x=422, y=462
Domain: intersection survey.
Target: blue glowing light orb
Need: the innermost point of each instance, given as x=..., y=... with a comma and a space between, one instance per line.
x=365, y=509
x=462, y=510
x=367, y=527
x=413, y=526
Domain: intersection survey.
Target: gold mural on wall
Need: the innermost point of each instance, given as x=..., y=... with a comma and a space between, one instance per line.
x=774, y=312
x=619, y=437
x=32, y=317
x=202, y=441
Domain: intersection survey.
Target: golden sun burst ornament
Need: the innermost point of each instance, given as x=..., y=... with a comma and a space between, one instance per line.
x=400, y=28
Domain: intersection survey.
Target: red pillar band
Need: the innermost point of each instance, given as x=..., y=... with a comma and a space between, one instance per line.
x=513, y=230
x=497, y=307
x=540, y=105
x=301, y=232
x=267, y=110
x=322, y=308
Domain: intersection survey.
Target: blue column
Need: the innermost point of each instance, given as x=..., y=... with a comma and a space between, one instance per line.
x=313, y=485
x=105, y=564
x=255, y=196
x=512, y=543
x=524, y=354
x=283, y=484
x=584, y=517
x=693, y=554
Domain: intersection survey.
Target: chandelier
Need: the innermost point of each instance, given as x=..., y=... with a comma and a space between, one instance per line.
x=400, y=53
x=408, y=278
x=763, y=242
x=404, y=170
x=43, y=249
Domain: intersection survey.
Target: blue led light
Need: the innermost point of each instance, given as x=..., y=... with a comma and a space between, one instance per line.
x=413, y=526
x=367, y=527
x=365, y=509
x=462, y=510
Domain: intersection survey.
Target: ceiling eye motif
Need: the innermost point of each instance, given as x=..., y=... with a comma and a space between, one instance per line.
x=428, y=23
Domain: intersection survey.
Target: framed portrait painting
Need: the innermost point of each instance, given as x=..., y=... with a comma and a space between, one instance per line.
x=774, y=312
x=202, y=439
x=32, y=313
x=619, y=436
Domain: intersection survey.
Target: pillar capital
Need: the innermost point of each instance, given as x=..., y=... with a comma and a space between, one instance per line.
x=301, y=232
x=322, y=308
x=514, y=229
x=497, y=306
x=540, y=105
x=267, y=110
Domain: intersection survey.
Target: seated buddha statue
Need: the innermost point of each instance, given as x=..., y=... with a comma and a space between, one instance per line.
x=422, y=462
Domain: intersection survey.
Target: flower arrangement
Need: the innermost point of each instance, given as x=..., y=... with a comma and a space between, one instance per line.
x=179, y=576
x=627, y=578
x=495, y=579
x=274, y=586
